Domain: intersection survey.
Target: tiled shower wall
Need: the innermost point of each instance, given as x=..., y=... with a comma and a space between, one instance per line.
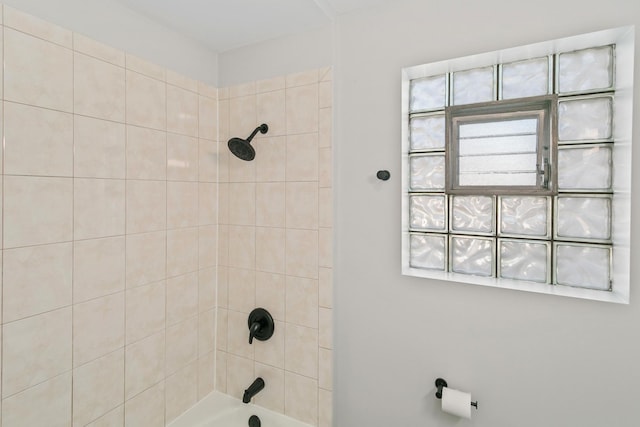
x=109, y=233
x=275, y=244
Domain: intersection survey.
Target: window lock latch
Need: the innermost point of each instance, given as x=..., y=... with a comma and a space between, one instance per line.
x=545, y=172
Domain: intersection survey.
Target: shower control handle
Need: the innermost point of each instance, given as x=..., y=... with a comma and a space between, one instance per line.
x=261, y=325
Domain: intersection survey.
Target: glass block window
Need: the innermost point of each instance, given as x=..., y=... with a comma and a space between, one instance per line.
x=541, y=127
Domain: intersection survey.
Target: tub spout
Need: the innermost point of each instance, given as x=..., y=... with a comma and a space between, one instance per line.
x=253, y=389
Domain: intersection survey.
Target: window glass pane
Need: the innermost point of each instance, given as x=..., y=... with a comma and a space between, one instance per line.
x=473, y=86
x=525, y=78
x=427, y=132
x=428, y=93
x=472, y=214
x=427, y=172
x=584, y=168
x=522, y=215
x=428, y=251
x=583, y=266
x=503, y=128
x=472, y=256
x=524, y=260
x=586, y=69
x=584, y=119
x=583, y=217
x=428, y=212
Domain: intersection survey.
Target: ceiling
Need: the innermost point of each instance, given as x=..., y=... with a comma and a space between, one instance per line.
x=228, y=24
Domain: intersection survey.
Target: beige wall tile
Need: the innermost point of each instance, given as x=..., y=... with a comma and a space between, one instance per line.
x=302, y=78
x=37, y=72
x=238, y=336
x=207, y=118
x=182, y=297
x=325, y=169
x=145, y=311
x=223, y=245
x=325, y=408
x=146, y=258
x=98, y=268
x=271, y=159
x=207, y=203
x=35, y=349
x=98, y=328
x=325, y=202
x=182, y=344
x=98, y=88
x=302, y=205
x=182, y=158
x=182, y=111
x=272, y=396
x=325, y=255
x=182, y=251
x=207, y=246
x=325, y=74
x=212, y=159
x=115, y=417
x=271, y=110
x=98, y=50
x=147, y=68
x=302, y=253
x=240, y=374
x=146, y=101
x=325, y=132
x=325, y=94
x=325, y=369
x=326, y=287
x=270, y=293
x=221, y=371
x=144, y=364
x=222, y=324
x=146, y=153
x=206, y=374
x=326, y=327
x=146, y=206
x=207, y=289
x=271, y=352
x=242, y=203
x=98, y=208
x=242, y=89
x=98, y=387
x=206, y=332
x=99, y=148
x=302, y=301
x=242, y=247
x=270, y=205
x=37, y=210
x=223, y=118
x=240, y=170
x=176, y=79
x=270, y=249
x=301, y=398
x=182, y=204
x=242, y=116
x=146, y=409
x=181, y=391
x=302, y=157
x=242, y=289
x=301, y=350
x=302, y=109
x=269, y=85
x=207, y=90
x=36, y=27
x=51, y=398
x=37, y=141
x=36, y=279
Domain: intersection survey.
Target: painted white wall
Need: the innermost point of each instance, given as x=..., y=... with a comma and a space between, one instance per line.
x=531, y=360
x=111, y=23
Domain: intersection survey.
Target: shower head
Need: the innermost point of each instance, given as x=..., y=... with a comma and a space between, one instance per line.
x=241, y=148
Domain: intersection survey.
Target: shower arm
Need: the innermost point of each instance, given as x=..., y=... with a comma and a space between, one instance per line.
x=262, y=129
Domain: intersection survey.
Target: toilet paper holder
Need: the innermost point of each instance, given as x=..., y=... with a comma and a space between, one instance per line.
x=440, y=384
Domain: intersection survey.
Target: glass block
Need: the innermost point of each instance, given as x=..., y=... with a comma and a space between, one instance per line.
x=427, y=132
x=524, y=215
x=428, y=212
x=428, y=94
x=472, y=214
x=585, y=119
x=473, y=86
x=522, y=260
x=583, y=217
x=585, y=70
x=583, y=266
x=427, y=172
x=428, y=251
x=525, y=78
x=472, y=256
x=583, y=168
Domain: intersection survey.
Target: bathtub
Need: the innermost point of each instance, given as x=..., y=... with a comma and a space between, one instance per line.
x=221, y=410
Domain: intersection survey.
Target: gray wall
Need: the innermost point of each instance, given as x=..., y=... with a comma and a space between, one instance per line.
x=531, y=360
x=109, y=22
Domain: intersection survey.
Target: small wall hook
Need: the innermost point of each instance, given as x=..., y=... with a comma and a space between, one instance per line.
x=383, y=175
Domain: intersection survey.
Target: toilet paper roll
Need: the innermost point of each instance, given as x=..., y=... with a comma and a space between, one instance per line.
x=456, y=402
